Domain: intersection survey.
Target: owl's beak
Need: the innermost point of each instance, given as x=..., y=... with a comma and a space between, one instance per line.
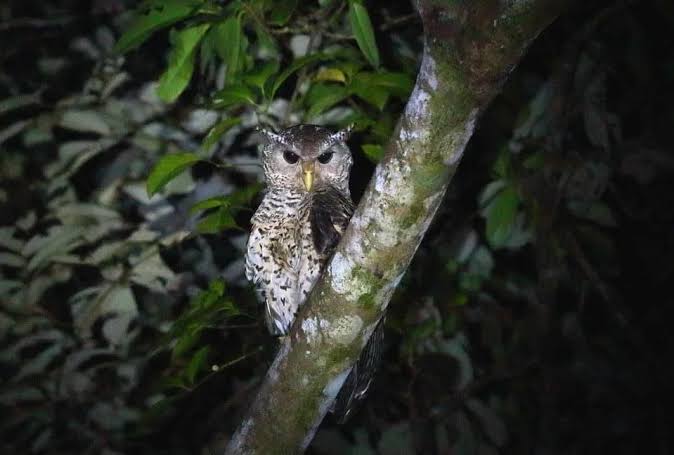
x=308, y=174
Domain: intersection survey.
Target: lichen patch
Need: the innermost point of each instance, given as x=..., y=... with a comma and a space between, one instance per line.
x=345, y=329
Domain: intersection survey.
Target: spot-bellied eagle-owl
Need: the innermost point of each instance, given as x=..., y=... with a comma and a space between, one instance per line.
x=303, y=214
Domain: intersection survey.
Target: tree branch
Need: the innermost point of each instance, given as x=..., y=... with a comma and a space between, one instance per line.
x=470, y=48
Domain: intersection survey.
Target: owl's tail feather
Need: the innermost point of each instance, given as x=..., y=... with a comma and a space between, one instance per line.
x=355, y=387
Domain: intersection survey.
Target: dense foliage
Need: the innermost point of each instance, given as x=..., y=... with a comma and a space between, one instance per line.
x=532, y=320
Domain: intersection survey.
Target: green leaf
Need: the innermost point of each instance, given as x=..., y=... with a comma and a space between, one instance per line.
x=261, y=75
x=216, y=222
x=375, y=88
x=233, y=95
x=361, y=27
x=189, y=336
x=322, y=97
x=197, y=364
x=330, y=75
x=228, y=44
x=218, y=130
x=373, y=94
x=399, y=84
x=168, y=167
x=490, y=191
x=210, y=203
x=153, y=16
x=265, y=41
x=294, y=66
x=181, y=63
x=282, y=11
x=245, y=195
x=234, y=200
x=500, y=215
x=374, y=152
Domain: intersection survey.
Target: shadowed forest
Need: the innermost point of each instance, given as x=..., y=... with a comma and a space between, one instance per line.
x=534, y=318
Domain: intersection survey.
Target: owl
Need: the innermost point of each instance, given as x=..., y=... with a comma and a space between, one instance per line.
x=304, y=212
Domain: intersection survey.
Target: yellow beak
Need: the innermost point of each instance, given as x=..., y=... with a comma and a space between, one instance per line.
x=308, y=174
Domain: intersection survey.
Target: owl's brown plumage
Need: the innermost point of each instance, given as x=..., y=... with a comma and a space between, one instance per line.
x=303, y=214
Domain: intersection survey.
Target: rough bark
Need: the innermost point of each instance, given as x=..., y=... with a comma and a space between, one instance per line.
x=470, y=48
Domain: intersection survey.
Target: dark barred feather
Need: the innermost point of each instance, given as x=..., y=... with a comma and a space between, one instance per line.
x=355, y=387
x=330, y=214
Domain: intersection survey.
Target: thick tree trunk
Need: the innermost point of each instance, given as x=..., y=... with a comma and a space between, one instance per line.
x=470, y=48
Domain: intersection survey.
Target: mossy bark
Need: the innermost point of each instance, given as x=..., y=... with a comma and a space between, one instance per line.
x=470, y=48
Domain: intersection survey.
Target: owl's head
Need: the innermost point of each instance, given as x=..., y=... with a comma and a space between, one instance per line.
x=305, y=157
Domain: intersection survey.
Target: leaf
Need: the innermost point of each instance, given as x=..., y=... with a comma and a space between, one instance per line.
x=210, y=203
x=322, y=97
x=7, y=239
x=8, y=287
x=13, y=129
x=374, y=152
x=217, y=131
x=121, y=303
x=189, y=336
x=233, y=95
x=150, y=271
x=490, y=191
x=294, y=66
x=181, y=63
x=399, y=84
x=375, y=88
x=234, y=200
x=245, y=195
x=153, y=16
x=86, y=121
x=361, y=26
x=11, y=260
x=330, y=75
x=59, y=240
x=38, y=363
x=167, y=169
x=218, y=221
x=376, y=96
x=227, y=38
x=261, y=75
x=456, y=347
x=282, y=11
x=500, y=215
x=197, y=363
x=19, y=101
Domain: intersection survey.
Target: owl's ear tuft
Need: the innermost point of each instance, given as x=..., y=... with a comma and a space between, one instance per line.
x=270, y=135
x=342, y=135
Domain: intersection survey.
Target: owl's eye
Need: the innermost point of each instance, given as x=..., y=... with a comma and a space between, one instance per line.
x=324, y=158
x=290, y=157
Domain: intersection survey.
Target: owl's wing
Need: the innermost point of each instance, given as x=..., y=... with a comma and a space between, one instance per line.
x=356, y=384
x=331, y=211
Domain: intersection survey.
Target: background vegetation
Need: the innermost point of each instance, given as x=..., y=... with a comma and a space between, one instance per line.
x=534, y=318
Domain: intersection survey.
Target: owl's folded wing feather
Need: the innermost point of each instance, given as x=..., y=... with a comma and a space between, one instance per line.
x=331, y=211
